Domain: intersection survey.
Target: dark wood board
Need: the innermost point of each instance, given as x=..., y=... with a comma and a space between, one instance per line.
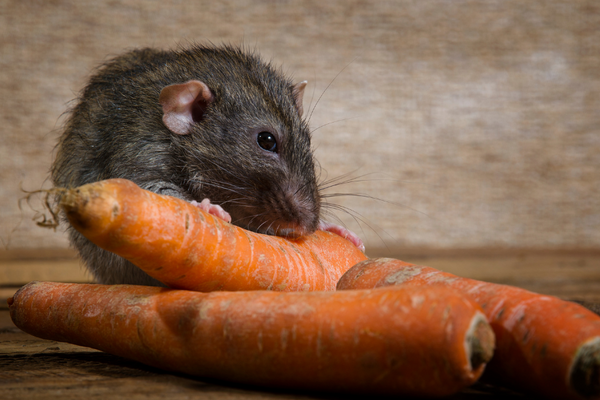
x=32, y=368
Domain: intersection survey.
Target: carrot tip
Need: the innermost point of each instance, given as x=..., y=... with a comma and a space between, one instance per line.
x=480, y=341
x=585, y=372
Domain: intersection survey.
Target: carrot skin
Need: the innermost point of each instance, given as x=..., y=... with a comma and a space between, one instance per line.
x=186, y=248
x=544, y=345
x=386, y=341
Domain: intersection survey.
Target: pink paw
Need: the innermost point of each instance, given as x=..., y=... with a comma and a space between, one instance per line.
x=343, y=232
x=212, y=209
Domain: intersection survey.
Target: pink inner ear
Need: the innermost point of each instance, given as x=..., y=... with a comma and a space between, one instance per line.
x=184, y=104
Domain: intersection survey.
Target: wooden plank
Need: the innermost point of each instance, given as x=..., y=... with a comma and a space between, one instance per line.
x=20, y=266
x=21, y=272
x=32, y=368
x=567, y=274
x=561, y=271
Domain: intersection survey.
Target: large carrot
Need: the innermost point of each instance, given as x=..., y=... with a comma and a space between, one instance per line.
x=431, y=342
x=544, y=345
x=186, y=248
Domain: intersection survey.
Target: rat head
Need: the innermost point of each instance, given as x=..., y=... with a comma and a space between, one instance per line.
x=238, y=130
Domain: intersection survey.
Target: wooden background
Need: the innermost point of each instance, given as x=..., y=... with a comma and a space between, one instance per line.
x=476, y=123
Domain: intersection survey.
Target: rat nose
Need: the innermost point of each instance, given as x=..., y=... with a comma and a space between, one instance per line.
x=291, y=230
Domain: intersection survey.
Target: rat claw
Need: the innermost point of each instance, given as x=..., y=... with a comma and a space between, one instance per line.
x=212, y=209
x=343, y=232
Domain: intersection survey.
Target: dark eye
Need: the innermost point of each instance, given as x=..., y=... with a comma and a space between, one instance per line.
x=266, y=140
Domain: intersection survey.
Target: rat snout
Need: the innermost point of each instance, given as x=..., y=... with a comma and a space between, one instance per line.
x=294, y=213
x=292, y=231
x=282, y=210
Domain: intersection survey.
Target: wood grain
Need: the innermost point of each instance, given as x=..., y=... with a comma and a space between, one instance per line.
x=475, y=121
x=32, y=368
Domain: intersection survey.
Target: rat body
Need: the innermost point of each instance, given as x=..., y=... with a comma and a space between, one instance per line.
x=212, y=125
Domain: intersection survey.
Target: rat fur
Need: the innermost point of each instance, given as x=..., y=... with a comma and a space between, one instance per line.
x=205, y=122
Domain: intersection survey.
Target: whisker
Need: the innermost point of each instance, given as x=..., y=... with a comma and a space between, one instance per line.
x=320, y=171
x=330, y=123
x=342, y=177
x=338, y=181
x=209, y=160
x=333, y=216
x=359, y=218
x=366, y=196
x=356, y=218
x=341, y=222
x=252, y=217
x=327, y=87
x=312, y=96
x=300, y=188
x=220, y=185
x=359, y=179
x=260, y=226
x=237, y=202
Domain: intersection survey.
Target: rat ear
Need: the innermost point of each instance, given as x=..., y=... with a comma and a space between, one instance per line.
x=298, y=93
x=183, y=104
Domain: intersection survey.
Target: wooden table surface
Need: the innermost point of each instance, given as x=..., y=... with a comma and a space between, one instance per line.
x=32, y=368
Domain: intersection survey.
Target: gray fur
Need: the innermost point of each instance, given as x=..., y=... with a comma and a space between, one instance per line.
x=116, y=131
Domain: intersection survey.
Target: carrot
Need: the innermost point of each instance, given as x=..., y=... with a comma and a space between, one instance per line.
x=545, y=345
x=186, y=248
x=430, y=342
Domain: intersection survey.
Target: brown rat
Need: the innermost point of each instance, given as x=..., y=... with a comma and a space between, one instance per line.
x=209, y=124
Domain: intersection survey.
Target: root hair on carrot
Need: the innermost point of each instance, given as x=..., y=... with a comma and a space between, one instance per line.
x=51, y=205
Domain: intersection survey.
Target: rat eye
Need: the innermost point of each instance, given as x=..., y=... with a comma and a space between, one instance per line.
x=267, y=141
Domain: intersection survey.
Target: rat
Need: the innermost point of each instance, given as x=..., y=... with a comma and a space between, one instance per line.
x=213, y=125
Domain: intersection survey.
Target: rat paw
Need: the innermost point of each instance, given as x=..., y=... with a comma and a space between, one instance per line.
x=212, y=209
x=343, y=232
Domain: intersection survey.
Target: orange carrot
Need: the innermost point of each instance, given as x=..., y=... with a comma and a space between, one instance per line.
x=544, y=345
x=430, y=342
x=186, y=248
